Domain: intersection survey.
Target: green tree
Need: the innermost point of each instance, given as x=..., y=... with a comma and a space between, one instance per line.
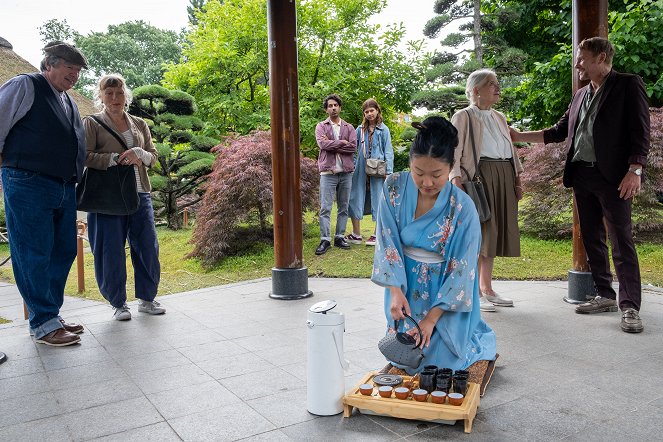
x=55, y=29
x=226, y=63
x=135, y=49
x=184, y=158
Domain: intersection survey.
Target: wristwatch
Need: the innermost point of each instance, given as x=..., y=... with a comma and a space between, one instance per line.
x=636, y=170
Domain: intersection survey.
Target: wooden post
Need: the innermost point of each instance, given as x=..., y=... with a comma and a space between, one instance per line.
x=80, y=263
x=590, y=19
x=186, y=217
x=289, y=276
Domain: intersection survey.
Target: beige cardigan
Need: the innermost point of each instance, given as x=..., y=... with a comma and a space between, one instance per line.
x=101, y=145
x=463, y=155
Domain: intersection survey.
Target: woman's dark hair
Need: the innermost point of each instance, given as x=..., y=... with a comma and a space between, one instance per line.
x=334, y=97
x=436, y=138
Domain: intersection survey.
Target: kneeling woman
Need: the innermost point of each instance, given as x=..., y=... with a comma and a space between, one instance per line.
x=109, y=233
x=428, y=238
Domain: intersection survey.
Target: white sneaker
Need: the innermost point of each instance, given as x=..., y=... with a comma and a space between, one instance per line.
x=499, y=301
x=122, y=313
x=485, y=305
x=153, y=308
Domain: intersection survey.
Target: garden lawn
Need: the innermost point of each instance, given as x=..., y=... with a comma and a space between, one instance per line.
x=539, y=260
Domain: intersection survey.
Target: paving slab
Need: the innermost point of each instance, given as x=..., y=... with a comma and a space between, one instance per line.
x=229, y=363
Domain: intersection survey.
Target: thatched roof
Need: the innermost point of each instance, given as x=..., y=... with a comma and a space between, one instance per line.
x=11, y=65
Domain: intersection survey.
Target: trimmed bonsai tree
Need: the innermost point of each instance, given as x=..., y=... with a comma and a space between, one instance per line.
x=184, y=159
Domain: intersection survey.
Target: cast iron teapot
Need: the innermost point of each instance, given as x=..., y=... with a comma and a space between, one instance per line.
x=402, y=348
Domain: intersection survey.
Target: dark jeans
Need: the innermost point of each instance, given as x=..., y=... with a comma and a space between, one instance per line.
x=41, y=222
x=108, y=235
x=596, y=198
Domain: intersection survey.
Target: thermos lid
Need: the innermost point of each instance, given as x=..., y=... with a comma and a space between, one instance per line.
x=323, y=306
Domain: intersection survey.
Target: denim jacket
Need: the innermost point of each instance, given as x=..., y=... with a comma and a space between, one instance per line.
x=381, y=147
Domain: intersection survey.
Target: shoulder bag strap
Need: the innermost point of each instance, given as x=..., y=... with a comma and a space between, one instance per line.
x=363, y=142
x=111, y=131
x=474, y=149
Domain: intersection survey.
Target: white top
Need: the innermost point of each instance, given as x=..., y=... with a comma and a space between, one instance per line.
x=129, y=139
x=494, y=143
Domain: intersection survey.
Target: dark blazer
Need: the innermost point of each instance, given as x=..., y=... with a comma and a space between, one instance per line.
x=621, y=127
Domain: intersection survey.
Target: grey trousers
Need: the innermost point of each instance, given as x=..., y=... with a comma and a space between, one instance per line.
x=339, y=184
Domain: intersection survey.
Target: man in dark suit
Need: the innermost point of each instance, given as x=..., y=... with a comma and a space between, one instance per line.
x=42, y=146
x=607, y=130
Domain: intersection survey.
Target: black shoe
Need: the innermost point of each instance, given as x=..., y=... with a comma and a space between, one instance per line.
x=323, y=247
x=341, y=243
x=631, y=322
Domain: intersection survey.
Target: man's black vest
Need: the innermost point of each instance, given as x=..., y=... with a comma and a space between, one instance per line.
x=45, y=140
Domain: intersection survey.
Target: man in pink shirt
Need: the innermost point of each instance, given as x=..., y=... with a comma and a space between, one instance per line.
x=337, y=141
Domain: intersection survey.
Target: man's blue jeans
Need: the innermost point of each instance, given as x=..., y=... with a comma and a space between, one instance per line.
x=338, y=184
x=41, y=222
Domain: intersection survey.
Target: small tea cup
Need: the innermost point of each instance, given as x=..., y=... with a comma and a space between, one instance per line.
x=420, y=395
x=366, y=389
x=455, y=398
x=402, y=392
x=438, y=397
x=385, y=391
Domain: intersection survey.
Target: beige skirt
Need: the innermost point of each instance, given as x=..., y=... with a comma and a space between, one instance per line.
x=500, y=235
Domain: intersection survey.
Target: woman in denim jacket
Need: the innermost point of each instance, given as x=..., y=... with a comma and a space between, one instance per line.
x=373, y=141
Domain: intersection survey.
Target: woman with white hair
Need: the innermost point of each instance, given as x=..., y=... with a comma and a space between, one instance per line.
x=484, y=130
x=116, y=138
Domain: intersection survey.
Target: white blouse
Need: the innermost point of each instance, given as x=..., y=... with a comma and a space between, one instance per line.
x=129, y=139
x=494, y=143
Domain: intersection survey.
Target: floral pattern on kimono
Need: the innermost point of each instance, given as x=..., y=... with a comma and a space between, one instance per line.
x=451, y=230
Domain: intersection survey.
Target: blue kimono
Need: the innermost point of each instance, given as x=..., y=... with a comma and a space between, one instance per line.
x=433, y=259
x=382, y=149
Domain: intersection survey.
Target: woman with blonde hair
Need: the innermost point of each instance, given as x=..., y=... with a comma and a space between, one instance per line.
x=484, y=130
x=373, y=141
x=116, y=138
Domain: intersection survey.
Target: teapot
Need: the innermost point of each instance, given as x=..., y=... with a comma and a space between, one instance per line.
x=402, y=348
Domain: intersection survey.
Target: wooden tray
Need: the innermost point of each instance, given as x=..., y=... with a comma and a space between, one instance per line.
x=411, y=409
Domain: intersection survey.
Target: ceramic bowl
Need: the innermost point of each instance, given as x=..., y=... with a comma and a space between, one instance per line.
x=455, y=398
x=366, y=389
x=385, y=391
x=438, y=397
x=420, y=395
x=402, y=392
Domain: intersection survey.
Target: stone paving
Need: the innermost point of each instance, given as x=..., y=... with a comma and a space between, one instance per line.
x=228, y=363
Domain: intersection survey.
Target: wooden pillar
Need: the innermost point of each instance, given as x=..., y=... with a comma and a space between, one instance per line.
x=289, y=276
x=590, y=19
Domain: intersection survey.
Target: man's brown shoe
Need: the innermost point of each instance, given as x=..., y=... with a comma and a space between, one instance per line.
x=598, y=305
x=71, y=327
x=59, y=338
x=631, y=322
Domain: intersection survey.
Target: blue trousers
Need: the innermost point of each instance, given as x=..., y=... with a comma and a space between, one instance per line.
x=108, y=235
x=41, y=222
x=338, y=184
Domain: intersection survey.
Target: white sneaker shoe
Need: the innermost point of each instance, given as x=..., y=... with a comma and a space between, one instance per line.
x=499, y=301
x=153, y=308
x=485, y=305
x=122, y=313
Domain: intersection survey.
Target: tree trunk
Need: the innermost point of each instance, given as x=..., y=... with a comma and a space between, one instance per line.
x=478, y=49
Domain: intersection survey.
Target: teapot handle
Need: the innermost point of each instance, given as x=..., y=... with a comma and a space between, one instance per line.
x=415, y=323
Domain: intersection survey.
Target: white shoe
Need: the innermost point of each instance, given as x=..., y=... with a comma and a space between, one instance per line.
x=122, y=313
x=485, y=305
x=499, y=301
x=153, y=308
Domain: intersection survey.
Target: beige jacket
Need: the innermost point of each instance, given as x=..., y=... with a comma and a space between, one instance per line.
x=101, y=145
x=463, y=155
